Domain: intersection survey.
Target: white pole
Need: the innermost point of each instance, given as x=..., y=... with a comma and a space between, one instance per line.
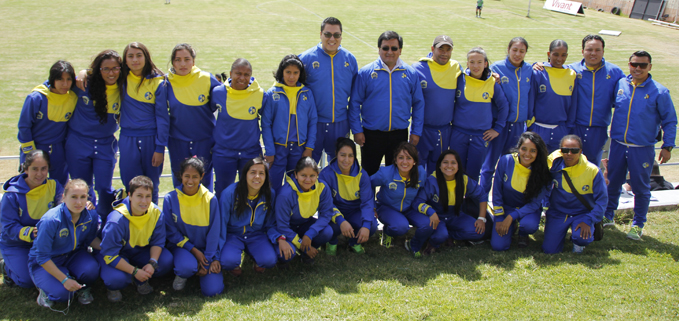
x=528, y=14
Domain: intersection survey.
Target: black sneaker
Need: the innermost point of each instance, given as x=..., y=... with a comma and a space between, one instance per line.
x=523, y=241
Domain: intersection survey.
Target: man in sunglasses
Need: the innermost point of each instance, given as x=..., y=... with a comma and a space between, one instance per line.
x=330, y=71
x=642, y=105
x=438, y=79
x=385, y=96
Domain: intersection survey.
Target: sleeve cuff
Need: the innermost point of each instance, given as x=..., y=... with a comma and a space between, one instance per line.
x=26, y=234
x=367, y=224
x=112, y=260
x=160, y=149
x=498, y=210
x=296, y=242
x=28, y=147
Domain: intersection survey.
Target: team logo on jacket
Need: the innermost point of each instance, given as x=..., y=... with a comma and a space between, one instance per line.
x=86, y=100
x=570, y=88
x=334, y=193
x=579, y=76
x=585, y=188
x=115, y=106
x=485, y=144
x=485, y=95
x=373, y=75
x=50, y=204
x=174, y=217
x=201, y=98
x=645, y=165
x=83, y=228
x=38, y=115
x=505, y=177
x=68, y=115
x=148, y=95
x=435, y=198
x=316, y=64
x=392, y=186
x=252, y=110
x=556, y=184
x=63, y=232
x=304, y=97
x=423, y=83
x=458, y=93
x=646, y=97
x=219, y=107
x=504, y=79
x=608, y=76
x=347, y=135
x=276, y=97
x=527, y=79
x=346, y=64
x=543, y=88
x=357, y=194
x=403, y=75
x=620, y=92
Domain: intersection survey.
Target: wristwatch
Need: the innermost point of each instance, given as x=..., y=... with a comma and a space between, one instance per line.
x=153, y=264
x=668, y=148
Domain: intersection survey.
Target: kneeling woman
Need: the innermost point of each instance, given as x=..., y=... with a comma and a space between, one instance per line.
x=399, y=184
x=193, y=225
x=59, y=262
x=134, y=236
x=298, y=200
x=352, y=196
x=566, y=209
x=249, y=221
x=520, y=185
x=452, y=197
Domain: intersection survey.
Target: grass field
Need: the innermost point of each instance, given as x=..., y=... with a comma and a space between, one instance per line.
x=615, y=279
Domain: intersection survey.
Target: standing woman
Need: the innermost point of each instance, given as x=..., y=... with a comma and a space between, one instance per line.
x=456, y=200
x=298, y=200
x=90, y=145
x=192, y=118
x=134, y=237
x=352, y=195
x=399, y=184
x=515, y=78
x=193, y=225
x=249, y=221
x=480, y=112
x=27, y=198
x=42, y=123
x=555, y=98
x=520, y=186
x=59, y=262
x=144, y=121
x=565, y=209
x=289, y=119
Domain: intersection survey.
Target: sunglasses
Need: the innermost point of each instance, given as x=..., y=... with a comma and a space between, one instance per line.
x=386, y=48
x=328, y=35
x=642, y=65
x=565, y=150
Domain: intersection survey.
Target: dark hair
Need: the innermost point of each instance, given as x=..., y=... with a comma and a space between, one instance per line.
x=593, y=37
x=76, y=182
x=97, y=85
x=196, y=162
x=57, y=71
x=539, y=175
x=149, y=69
x=388, y=35
x=31, y=156
x=571, y=137
x=459, y=182
x=556, y=44
x=241, y=62
x=343, y=141
x=641, y=53
x=305, y=162
x=241, y=196
x=412, y=151
x=181, y=46
x=331, y=21
x=519, y=40
x=287, y=61
x=219, y=77
x=486, y=71
x=138, y=182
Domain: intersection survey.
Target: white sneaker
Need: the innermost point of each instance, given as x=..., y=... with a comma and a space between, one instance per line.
x=85, y=296
x=577, y=249
x=114, y=296
x=179, y=283
x=43, y=300
x=144, y=288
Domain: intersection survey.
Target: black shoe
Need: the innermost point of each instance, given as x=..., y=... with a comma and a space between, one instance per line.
x=307, y=259
x=523, y=241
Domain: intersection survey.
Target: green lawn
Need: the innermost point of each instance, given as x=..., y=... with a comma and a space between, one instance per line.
x=615, y=279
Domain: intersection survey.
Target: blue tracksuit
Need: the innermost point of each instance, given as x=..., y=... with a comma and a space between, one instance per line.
x=288, y=127
x=130, y=238
x=459, y=227
x=237, y=131
x=65, y=244
x=91, y=147
x=509, y=185
x=330, y=78
x=193, y=221
x=555, y=104
x=144, y=128
x=16, y=238
x=596, y=97
x=516, y=84
x=295, y=210
x=42, y=125
x=386, y=101
x=439, y=84
x=253, y=231
x=353, y=196
x=192, y=120
x=565, y=210
x=480, y=105
x=640, y=111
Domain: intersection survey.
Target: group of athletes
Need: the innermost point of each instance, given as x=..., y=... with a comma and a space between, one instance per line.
x=447, y=135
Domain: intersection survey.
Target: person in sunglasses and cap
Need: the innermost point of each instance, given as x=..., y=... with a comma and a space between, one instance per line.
x=330, y=72
x=641, y=106
x=385, y=96
x=567, y=209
